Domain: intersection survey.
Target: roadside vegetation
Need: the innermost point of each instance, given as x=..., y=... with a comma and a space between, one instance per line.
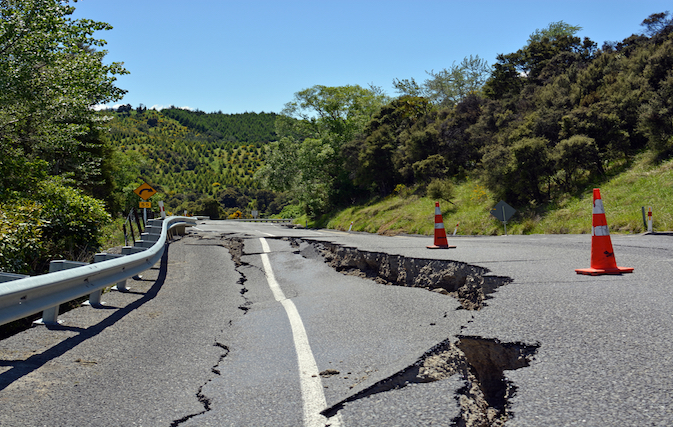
x=646, y=183
x=538, y=129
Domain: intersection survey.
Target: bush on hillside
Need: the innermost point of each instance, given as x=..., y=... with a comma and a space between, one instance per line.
x=20, y=236
x=73, y=221
x=440, y=189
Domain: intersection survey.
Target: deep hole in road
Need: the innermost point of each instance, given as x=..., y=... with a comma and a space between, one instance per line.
x=481, y=362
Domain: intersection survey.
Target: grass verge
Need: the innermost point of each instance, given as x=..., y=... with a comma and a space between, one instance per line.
x=644, y=184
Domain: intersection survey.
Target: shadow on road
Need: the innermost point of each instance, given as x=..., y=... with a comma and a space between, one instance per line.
x=22, y=368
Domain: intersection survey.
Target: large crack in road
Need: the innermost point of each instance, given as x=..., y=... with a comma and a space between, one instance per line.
x=235, y=248
x=484, y=400
x=470, y=285
x=481, y=362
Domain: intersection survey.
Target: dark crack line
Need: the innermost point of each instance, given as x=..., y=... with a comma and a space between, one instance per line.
x=235, y=247
x=202, y=398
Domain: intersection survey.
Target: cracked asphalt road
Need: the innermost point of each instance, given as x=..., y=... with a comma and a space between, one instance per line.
x=138, y=362
x=204, y=343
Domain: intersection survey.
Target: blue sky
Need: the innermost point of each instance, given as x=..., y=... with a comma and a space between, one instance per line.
x=253, y=55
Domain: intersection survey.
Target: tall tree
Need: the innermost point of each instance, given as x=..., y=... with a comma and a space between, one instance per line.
x=50, y=76
x=548, y=52
x=658, y=23
x=553, y=31
x=313, y=129
x=371, y=155
x=450, y=85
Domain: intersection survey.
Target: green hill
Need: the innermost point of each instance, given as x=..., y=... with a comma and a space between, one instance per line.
x=538, y=129
x=644, y=184
x=192, y=158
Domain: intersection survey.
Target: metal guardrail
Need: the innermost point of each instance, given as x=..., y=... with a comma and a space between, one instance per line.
x=26, y=296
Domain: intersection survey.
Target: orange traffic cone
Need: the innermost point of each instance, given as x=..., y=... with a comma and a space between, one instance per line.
x=440, y=233
x=602, y=255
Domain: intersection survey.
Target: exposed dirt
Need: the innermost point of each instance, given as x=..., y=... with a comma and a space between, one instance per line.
x=470, y=284
x=481, y=362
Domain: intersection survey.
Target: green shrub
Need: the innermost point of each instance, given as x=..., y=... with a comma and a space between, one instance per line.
x=210, y=208
x=21, y=246
x=291, y=211
x=73, y=221
x=402, y=191
x=440, y=189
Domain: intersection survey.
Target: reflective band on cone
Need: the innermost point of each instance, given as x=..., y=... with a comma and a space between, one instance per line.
x=602, y=256
x=440, y=233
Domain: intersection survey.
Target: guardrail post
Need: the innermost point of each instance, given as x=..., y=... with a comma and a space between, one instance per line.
x=94, y=299
x=50, y=315
x=129, y=250
x=120, y=286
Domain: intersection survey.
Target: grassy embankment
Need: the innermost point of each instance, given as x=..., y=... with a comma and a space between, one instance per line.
x=643, y=184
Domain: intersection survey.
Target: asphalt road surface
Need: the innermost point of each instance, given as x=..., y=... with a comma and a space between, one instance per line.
x=274, y=335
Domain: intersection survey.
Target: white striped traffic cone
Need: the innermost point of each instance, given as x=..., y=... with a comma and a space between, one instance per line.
x=440, y=233
x=602, y=254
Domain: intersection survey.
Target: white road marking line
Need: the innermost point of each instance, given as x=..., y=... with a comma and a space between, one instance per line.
x=311, y=386
x=275, y=288
x=268, y=234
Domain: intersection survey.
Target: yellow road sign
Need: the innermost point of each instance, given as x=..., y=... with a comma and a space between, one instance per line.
x=145, y=205
x=145, y=191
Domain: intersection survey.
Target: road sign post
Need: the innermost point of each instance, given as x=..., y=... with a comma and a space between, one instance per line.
x=144, y=206
x=503, y=212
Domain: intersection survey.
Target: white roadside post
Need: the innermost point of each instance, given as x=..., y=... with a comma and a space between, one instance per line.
x=161, y=207
x=649, y=220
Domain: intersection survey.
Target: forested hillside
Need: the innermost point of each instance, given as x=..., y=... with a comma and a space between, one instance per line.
x=199, y=162
x=244, y=127
x=542, y=124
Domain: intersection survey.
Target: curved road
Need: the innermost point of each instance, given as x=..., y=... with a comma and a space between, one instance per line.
x=275, y=335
